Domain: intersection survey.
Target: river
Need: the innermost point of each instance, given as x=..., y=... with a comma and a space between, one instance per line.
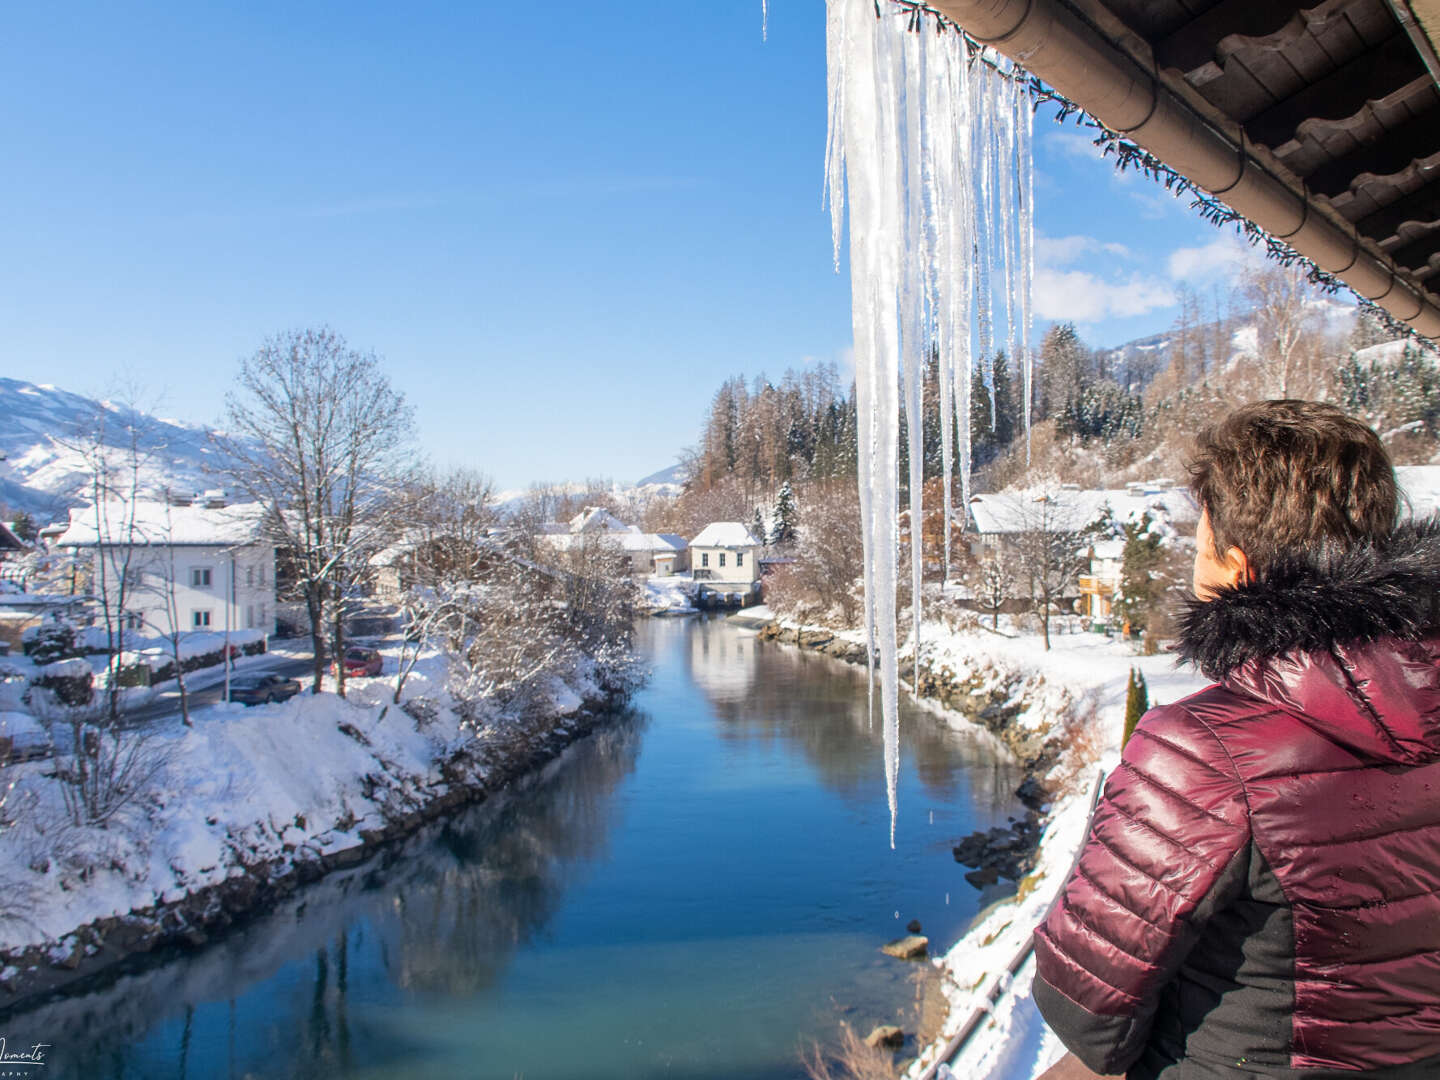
x=694, y=891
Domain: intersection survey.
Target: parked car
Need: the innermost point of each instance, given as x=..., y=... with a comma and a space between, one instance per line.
x=258, y=689
x=362, y=661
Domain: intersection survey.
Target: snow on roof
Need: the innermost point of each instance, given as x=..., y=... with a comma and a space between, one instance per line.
x=1109, y=549
x=147, y=522
x=1072, y=509
x=1420, y=489
x=629, y=540
x=725, y=534
x=595, y=519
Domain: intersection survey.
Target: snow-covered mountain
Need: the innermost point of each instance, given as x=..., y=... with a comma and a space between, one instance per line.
x=47, y=434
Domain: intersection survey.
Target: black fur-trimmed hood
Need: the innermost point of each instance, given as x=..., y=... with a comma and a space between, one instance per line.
x=1385, y=590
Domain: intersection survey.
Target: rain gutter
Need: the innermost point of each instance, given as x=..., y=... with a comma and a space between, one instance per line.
x=1171, y=121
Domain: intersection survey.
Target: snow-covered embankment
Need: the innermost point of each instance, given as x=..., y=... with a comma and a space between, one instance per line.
x=243, y=808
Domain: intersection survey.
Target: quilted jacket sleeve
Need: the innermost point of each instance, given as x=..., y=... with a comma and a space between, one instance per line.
x=1168, y=846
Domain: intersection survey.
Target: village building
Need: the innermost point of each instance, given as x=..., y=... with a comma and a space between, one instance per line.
x=200, y=565
x=725, y=560
x=649, y=553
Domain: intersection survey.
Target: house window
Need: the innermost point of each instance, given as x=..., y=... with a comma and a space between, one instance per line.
x=200, y=578
x=739, y=558
x=704, y=558
x=250, y=575
x=131, y=620
x=200, y=619
x=250, y=616
x=722, y=558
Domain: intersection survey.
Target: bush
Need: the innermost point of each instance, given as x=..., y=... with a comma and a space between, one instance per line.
x=52, y=641
x=70, y=684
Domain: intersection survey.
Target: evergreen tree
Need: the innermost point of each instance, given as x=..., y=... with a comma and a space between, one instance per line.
x=782, y=521
x=757, y=528
x=991, y=432
x=1141, y=586
x=23, y=526
x=1137, y=700
x=1065, y=364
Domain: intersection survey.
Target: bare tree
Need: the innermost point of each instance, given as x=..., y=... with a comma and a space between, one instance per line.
x=119, y=447
x=820, y=585
x=1289, y=338
x=447, y=541
x=993, y=580
x=321, y=437
x=164, y=586
x=1047, y=547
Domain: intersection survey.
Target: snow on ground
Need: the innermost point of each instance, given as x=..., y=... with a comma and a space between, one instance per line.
x=673, y=595
x=1013, y=1043
x=289, y=781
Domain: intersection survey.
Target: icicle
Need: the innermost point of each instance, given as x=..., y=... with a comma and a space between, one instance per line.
x=932, y=151
x=836, y=45
x=915, y=333
x=1025, y=163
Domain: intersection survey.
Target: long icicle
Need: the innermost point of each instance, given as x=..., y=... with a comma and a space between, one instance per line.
x=929, y=146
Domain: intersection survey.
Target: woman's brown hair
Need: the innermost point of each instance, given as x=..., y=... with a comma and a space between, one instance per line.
x=1291, y=479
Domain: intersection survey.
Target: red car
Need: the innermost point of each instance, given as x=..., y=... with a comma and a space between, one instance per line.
x=363, y=661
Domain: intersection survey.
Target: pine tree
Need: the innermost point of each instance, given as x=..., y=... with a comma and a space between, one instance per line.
x=1141, y=587
x=782, y=521
x=757, y=528
x=24, y=526
x=1137, y=700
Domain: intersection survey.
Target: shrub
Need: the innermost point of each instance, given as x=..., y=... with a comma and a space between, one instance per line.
x=53, y=641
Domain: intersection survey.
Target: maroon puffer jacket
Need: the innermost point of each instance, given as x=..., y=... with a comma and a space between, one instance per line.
x=1260, y=893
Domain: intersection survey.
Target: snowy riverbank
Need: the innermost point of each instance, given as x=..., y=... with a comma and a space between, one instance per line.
x=244, y=807
x=1007, y=683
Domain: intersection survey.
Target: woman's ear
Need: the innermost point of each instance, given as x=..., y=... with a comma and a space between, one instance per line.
x=1236, y=567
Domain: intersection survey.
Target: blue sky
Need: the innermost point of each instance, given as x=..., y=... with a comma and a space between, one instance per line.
x=561, y=225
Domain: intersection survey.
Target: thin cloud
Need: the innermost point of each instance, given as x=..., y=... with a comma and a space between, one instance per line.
x=1222, y=257
x=1064, y=250
x=1077, y=296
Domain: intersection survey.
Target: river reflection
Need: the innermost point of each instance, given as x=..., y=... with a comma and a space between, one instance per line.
x=688, y=892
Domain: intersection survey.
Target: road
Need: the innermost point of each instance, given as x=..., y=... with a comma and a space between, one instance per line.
x=212, y=688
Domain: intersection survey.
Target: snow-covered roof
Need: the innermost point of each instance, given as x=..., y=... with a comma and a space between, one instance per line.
x=725, y=534
x=596, y=519
x=28, y=601
x=156, y=522
x=630, y=540
x=1108, y=549
x=1073, y=509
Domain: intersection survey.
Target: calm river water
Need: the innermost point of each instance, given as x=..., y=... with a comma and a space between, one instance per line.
x=694, y=892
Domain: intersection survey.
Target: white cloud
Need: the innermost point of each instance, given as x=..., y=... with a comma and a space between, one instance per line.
x=1064, y=250
x=1074, y=144
x=1222, y=257
x=1076, y=296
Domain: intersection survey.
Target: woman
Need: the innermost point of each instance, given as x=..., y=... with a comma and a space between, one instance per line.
x=1260, y=892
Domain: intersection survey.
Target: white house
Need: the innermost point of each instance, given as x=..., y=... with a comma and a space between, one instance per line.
x=198, y=566
x=649, y=553
x=1068, y=508
x=725, y=551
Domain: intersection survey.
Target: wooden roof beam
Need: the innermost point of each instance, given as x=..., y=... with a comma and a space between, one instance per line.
x=1192, y=46
x=1133, y=97
x=1399, y=148
x=1418, y=254
x=1388, y=71
x=1419, y=208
